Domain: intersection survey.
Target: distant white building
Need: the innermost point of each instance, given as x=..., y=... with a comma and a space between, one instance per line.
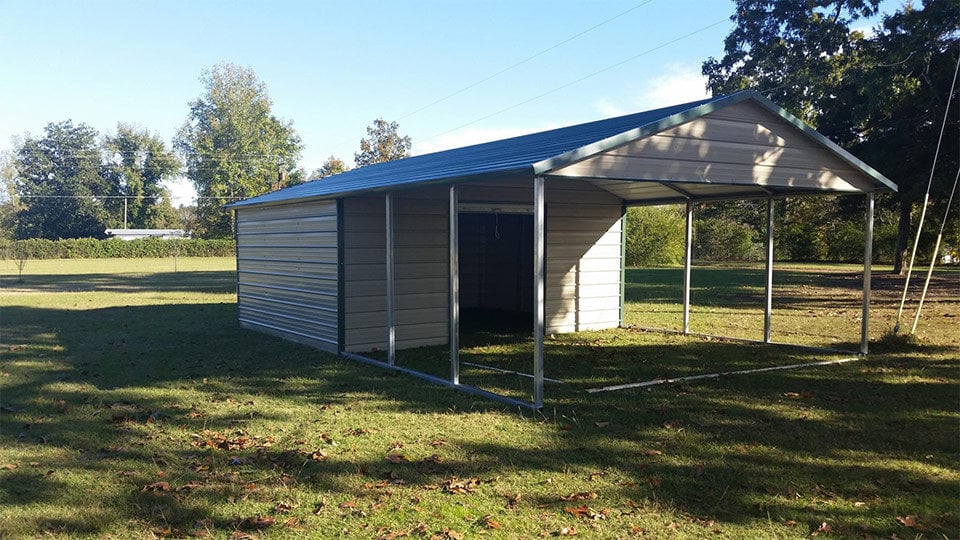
x=133, y=234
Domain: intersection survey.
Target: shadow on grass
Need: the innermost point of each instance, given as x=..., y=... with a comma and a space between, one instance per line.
x=212, y=281
x=735, y=449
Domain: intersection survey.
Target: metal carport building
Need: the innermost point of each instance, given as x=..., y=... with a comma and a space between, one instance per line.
x=386, y=256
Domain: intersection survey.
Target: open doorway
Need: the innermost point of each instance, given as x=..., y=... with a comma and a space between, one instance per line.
x=496, y=269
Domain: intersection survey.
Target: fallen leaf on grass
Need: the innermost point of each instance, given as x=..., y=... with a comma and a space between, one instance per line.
x=396, y=458
x=348, y=505
x=452, y=534
x=585, y=512
x=601, y=424
x=318, y=455
x=156, y=486
x=911, y=521
x=9, y=467
x=649, y=452
x=461, y=487
x=567, y=531
x=673, y=424
x=790, y=523
x=438, y=442
x=824, y=528
x=189, y=485
x=284, y=507
x=256, y=522
x=512, y=502
x=582, y=496
x=488, y=522
x=293, y=523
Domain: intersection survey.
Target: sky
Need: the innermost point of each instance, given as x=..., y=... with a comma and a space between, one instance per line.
x=451, y=72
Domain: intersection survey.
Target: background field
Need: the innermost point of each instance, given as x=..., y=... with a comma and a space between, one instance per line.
x=133, y=406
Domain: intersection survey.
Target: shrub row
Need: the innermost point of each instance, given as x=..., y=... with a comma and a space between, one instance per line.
x=91, y=248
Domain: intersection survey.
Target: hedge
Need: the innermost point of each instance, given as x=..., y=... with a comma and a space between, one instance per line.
x=91, y=248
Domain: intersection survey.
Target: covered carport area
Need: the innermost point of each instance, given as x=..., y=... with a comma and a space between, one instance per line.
x=735, y=147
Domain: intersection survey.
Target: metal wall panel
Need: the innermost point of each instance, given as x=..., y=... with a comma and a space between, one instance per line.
x=420, y=270
x=287, y=271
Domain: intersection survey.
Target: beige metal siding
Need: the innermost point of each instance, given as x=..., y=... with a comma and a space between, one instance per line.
x=583, y=257
x=287, y=271
x=421, y=281
x=743, y=144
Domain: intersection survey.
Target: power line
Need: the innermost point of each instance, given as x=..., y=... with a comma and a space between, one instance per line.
x=524, y=61
x=579, y=80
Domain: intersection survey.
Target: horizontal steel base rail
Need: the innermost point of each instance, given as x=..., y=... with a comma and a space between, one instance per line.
x=440, y=382
x=656, y=382
x=744, y=340
x=509, y=371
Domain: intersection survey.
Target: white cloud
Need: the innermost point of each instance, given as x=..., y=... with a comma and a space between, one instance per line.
x=679, y=83
x=468, y=136
x=181, y=191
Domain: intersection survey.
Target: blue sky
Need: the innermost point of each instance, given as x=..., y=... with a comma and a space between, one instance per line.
x=332, y=67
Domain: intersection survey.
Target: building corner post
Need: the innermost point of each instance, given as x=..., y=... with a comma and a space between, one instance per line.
x=539, y=311
x=454, y=297
x=391, y=325
x=768, y=306
x=867, y=262
x=688, y=255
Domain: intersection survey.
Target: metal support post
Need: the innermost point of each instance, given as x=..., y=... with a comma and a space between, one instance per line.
x=539, y=312
x=867, y=261
x=454, y=287
x=391, y=328
x=768, y=308
x=688, y=255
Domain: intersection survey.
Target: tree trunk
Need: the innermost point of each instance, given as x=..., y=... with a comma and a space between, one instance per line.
x=902, y=254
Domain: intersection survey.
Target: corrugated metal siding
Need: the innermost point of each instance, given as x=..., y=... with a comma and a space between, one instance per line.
x=421, y=282
x=287, y=271
x=743, y=144
x=582, y=256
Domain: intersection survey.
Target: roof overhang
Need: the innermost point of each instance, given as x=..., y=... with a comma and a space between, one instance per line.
x=739, y=146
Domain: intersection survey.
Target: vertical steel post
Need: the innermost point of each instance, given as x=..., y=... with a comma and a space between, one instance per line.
x=867, y=261
x=454, y=287
x=688, y=255
x=391, y=328
x=124, y=212
x=539, y=311
x=768, y=307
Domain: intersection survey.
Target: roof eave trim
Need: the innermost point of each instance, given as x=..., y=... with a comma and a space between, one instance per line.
x=547, y=166
x=507, y=173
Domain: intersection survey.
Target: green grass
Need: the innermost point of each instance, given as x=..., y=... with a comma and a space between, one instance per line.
x=133, y=406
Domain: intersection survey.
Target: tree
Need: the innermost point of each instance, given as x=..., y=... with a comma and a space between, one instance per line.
x=383, y=143
x=882, y=97
x=234, y=147
x=330, y=167
x=138, y=163
x=58, y=181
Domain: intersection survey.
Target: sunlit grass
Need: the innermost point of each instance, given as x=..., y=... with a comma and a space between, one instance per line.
x=120, y=376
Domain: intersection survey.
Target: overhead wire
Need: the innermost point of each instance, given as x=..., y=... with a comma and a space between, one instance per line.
x=926, y=196
x=580, y=79
x=515, y=65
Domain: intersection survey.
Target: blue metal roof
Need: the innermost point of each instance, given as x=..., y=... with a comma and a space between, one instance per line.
x=529, y=155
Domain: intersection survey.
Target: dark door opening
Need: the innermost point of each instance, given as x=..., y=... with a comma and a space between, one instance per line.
x=496, y=273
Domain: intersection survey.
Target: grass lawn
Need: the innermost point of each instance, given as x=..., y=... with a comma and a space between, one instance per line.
x=131, y=405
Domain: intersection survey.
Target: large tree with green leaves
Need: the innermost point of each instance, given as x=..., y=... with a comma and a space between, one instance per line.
x=383, y=143
x=60, y=185
x=137, y=163
x=234, y=146
x=882, y=96
x=333, y=165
